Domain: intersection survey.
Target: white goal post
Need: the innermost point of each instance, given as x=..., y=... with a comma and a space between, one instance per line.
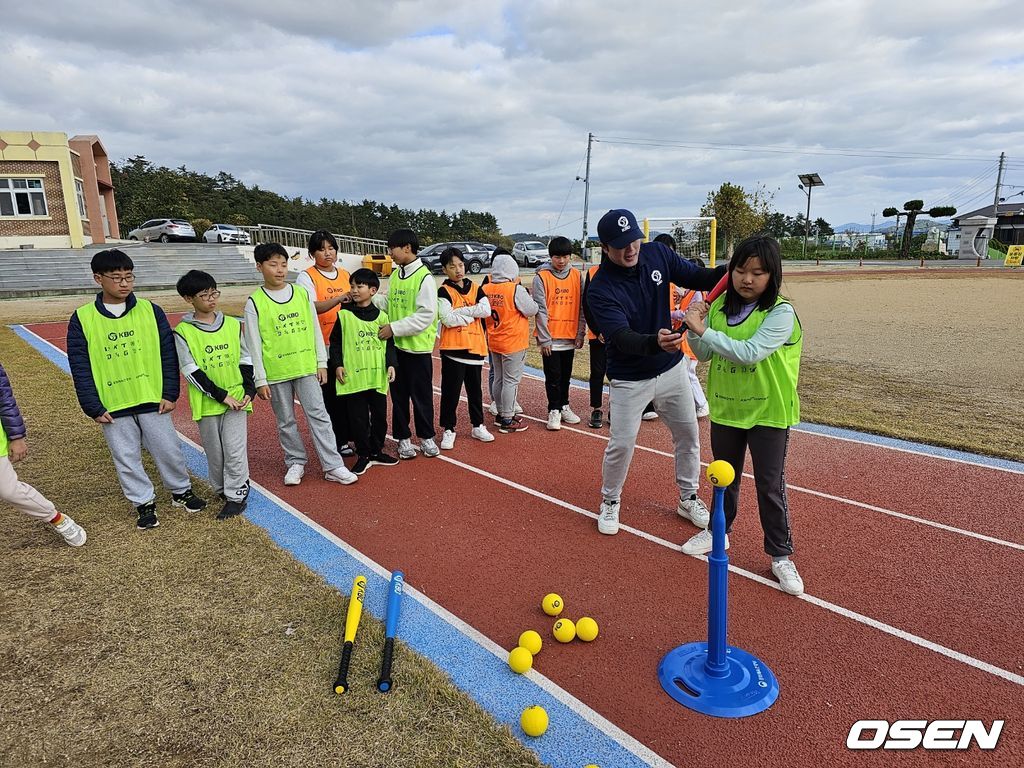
x=695, y=236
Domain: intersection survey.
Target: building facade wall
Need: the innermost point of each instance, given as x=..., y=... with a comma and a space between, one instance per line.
x=46, y=156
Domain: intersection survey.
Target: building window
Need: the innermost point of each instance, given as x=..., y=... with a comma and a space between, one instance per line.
x=22, y=197
x=80, y=194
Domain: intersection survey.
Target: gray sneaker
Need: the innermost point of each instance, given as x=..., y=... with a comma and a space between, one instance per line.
x=405, y=449
x=73, y=533
x=429, y=447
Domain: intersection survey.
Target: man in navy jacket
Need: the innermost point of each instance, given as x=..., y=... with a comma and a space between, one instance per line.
x=628, y=303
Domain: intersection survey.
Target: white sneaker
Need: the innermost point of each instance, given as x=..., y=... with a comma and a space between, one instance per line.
x=568, y=416
x=703, y=412
x=429, y=447
x=73, y=533
x=493, y=408
x=700, y=543
x=518, y=408
x=608, y=519
x=341, y=475
x=294, y=474
x=790, y=581
x=554, y=420
x=694, y=510
x=405, y=449
x=447, y=440
x=649, y=416
x=480, y=433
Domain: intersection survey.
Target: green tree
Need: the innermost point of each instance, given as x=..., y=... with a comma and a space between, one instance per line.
x=822, y=227
x=739, y=213
x=913, y=209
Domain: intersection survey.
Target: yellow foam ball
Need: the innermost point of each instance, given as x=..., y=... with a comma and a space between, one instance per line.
x=520, y=659
x=534, y=721
x=586, y=629
x=531, y=641
x=721, y=473
x=552, y=604
x=564, y=630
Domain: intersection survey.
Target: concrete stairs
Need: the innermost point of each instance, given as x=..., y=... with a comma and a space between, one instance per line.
x=33, y=272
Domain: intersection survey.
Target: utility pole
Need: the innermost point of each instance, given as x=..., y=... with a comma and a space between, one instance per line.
x=999, y=184
x=586, y=196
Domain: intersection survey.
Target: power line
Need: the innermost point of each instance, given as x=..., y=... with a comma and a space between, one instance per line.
x=838, y=152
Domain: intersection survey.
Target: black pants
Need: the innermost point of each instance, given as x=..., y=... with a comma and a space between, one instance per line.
x=337, y=411
x=453, y=376
x=367, y=414
x=414, y=381
x=768, y=447
x=557, y=373
x=598, y=368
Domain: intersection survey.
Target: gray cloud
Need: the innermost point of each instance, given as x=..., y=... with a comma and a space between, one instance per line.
x=487, y=105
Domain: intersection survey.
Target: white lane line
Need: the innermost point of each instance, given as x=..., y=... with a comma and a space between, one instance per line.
x=859, y=441
x=604, y=725
x=839, y=610
x=812, y=492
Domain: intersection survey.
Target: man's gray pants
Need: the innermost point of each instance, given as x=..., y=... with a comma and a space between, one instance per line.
x=127, y=436
x=673, y=401
x=306, y=390
x=226, y=445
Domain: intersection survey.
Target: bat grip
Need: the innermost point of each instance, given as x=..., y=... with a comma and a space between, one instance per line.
x=341, y=684
x=384, y=683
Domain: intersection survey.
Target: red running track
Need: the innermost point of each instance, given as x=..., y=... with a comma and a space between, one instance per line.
x=486, y=531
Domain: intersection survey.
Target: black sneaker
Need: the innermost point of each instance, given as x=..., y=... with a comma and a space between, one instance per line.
x=231, y=509
x=596, y=419
x=515, y=424
x=382, y=460
x=188, y=500
x=147, y=516
x=346, y=450
x=361, y=465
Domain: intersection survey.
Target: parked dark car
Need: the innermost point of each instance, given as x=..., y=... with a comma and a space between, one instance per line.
x=476, y=259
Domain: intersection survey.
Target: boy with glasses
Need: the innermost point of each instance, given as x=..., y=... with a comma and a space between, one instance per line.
x=216, y=364
x=125, y=368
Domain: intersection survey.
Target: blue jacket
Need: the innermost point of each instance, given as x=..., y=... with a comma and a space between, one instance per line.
x=636, y=299
x=10, y=416
x=81, y=370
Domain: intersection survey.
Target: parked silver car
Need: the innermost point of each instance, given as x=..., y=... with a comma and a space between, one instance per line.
x=164, y=230
x=474, y=259
x=530, y=253
x=226, y=233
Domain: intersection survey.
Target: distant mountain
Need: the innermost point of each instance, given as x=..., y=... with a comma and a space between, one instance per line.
x=889, y=224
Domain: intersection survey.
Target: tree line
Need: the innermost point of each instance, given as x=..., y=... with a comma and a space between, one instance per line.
x=143, y=190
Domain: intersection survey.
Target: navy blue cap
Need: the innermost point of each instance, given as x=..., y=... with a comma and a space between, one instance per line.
x=618, y=228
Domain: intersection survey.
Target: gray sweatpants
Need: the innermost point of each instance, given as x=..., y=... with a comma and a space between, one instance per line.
x=673, y=401
x=226, y=445
x=22, y=496
x=306, y=390
x=508, y=372
x=127, y=436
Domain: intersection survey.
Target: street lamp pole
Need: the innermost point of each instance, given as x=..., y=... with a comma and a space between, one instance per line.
x=807, y=182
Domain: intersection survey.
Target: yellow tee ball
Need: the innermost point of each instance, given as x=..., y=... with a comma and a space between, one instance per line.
x=534, y=721
x=520, y=660
x=564, y=631
x=586, y=629
x=721, y=473
x=552, y=604
x=531, y=641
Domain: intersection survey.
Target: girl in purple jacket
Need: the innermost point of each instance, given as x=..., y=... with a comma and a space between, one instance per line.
x=23, y=496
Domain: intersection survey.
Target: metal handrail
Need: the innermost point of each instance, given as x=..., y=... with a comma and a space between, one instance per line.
x=290, y=237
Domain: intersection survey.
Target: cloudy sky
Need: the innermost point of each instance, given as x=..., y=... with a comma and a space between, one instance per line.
x=486, y=104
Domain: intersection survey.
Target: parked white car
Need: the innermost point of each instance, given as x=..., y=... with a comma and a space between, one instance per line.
x=226, y=233
x=164, y=230
x=530, y=253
